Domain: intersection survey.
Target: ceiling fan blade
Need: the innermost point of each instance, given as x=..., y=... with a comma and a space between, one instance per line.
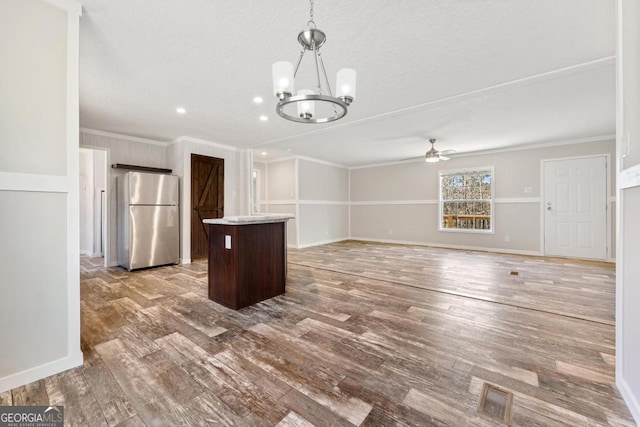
x=447, y=151
x=444, y=157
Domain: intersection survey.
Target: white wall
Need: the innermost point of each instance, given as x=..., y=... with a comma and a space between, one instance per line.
x=121, y=149
x=39, y=190
x=323, y=202
x=262, y=185
x=316, y=192
x=628, y=267
x=86, y=201
x=93, y=173
x=99, y=185
x=399, y=202
x=236, y=181
x=177, y=157
x=280, y=195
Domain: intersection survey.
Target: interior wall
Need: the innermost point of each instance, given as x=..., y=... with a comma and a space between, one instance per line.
x=399, y=202
x=235, y=181
x=86, y=201
x=315, y=192
x=281, y=182
x=628, y=268
x=279, y=196
x=39, y=167
x=323, y=203
x=99, y=185
x=126, y=151
x=262, y=191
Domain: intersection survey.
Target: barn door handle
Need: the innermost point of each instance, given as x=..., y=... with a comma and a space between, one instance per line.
x=548, y=206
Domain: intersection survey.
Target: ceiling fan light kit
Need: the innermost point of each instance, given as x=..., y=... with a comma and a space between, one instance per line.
x=434, y=155
x=309, y=106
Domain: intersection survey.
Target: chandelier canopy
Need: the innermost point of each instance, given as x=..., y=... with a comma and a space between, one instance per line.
x=318, y=105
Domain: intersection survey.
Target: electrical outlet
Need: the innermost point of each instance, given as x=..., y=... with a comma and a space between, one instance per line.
x=528, y=190
x=390, y=232
x=507, y=238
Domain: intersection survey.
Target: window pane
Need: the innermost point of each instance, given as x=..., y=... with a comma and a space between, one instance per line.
x=466, y=199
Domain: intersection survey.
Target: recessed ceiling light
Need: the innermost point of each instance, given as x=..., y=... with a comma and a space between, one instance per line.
x=289, y=149
x=264, y=153
x=258, y=100
x=264, y=118
x=181, y=110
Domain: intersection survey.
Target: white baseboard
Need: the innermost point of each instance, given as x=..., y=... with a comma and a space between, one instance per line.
x=85, y=252
x=629, y=398
x=446, y=246
x=96, y=254
x=184, y=261
x=322, y=242
x=37, y=373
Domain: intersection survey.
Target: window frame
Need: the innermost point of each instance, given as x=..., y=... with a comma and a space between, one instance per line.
x=442, y=172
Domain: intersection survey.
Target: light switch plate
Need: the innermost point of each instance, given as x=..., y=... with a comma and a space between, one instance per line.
x=227, y=241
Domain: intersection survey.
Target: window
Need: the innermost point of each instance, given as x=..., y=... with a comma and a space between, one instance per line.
x=466, y=200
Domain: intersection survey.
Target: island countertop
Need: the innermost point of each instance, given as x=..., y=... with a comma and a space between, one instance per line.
x=250, y=219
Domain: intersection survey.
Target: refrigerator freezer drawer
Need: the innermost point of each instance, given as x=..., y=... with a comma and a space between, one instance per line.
x=154, y=236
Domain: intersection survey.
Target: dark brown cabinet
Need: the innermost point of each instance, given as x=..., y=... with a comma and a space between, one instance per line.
x=247, y=262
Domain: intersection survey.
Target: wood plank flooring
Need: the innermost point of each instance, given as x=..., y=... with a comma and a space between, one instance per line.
x=366, y=334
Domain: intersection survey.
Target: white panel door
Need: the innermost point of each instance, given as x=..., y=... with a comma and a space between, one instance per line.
x=575, y=208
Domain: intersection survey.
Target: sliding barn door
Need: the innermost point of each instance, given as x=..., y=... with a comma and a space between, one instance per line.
x=207, y=199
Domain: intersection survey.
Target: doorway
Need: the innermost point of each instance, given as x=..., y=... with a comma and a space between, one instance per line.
x=93, y=206
x=575, y=205
x=207, y=200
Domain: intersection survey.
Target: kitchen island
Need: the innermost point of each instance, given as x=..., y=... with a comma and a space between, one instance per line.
x=247, y=259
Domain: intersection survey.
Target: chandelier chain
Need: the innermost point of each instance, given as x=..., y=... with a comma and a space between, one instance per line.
x=311, y=23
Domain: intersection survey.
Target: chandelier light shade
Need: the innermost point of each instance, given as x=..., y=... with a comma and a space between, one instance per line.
x=307, y=105
x=346, y=84
x=283, y=79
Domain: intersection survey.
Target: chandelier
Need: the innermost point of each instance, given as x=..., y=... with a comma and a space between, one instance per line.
x=318, y=105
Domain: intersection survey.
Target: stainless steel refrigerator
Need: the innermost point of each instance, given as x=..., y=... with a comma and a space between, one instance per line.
x=148, y=220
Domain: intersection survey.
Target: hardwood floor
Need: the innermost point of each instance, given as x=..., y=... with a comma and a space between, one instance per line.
x=366, y=334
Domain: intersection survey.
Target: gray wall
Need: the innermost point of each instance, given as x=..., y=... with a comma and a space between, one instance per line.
x=628, y=267
x=399, y=202
x=39, y=176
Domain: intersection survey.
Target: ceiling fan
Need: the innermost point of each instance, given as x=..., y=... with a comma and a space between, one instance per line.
x=433, y=155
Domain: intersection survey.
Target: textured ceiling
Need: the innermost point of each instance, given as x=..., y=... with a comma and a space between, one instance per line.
x=474, y=74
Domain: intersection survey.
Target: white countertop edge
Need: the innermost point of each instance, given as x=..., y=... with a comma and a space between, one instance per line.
x=249, y=219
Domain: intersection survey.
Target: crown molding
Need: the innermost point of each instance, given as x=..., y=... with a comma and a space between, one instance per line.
x=308, y=159
x=205, y=142
x=534, y=145
x=520, y=147
x=123, y=137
